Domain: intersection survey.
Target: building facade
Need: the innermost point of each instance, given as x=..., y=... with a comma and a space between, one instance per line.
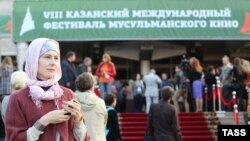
x=138, y=34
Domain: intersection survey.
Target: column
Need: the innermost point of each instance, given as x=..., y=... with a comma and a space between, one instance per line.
x=145, y=66
x=21, y=48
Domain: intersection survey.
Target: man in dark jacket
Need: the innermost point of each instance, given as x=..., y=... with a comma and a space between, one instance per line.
x=164, y=120
x=210, y=80
x=68, y=71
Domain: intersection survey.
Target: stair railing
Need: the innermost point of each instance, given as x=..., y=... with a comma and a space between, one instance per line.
x=206, y=98
x=236, y=115
x=219, y=93
x=221, y=100
x=214, y=98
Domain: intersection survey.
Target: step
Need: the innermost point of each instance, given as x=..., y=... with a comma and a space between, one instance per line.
x=209, y=113
x=191, y=123
x=133, y=123
x=134, y=133
x=132, y=114
x=231, y=113
x=198, y=132
x=132, y=138
x=198, y=138
x=231, y=123
x=197, y=127
x=213, y=122
x=190, y=114
x=192, y=118
x=123, y=119
x=230, y=119
x=212, y=118
x=132, y=128
x=231, y=116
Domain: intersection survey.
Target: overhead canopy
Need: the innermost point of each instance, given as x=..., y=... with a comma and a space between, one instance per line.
x=132, y=50
x=167, y=50
x=78, y=20
x=128, y=51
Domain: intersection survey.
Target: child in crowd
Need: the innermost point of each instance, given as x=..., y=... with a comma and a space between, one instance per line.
x=112, y=128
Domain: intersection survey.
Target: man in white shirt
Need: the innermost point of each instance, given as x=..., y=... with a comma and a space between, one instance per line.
x=152, y=81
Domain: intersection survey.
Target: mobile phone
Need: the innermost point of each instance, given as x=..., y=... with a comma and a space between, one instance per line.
x=68, y=113
x=70, y=106
x=75, y=101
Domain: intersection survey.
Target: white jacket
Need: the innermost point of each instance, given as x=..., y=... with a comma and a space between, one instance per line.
x=94, y=113
x=152, y=82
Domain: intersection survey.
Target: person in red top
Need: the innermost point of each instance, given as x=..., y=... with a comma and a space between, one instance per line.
x=106, y=72
x=44, y=111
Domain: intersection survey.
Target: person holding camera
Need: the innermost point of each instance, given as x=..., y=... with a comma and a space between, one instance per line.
x=44, y=110
x=181, y=89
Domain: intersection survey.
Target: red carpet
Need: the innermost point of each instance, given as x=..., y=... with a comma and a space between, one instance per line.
x=133, y=126
x=193, y=127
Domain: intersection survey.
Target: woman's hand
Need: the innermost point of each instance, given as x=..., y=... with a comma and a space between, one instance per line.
x=74, y=108
x=106, y=75
x=54, y=117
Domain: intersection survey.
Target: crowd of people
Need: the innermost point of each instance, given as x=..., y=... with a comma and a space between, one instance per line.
x=56, y=99
x=51, y=100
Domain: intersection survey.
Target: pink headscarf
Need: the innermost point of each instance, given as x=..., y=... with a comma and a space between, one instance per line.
x=33, y=53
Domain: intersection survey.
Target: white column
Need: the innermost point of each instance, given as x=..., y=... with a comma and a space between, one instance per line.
x=21, y=48
x=145, y=66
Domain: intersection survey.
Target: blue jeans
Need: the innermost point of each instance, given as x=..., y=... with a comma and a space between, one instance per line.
x=105, y=88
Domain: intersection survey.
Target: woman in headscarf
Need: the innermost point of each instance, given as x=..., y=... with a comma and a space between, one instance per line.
x=43, y=110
